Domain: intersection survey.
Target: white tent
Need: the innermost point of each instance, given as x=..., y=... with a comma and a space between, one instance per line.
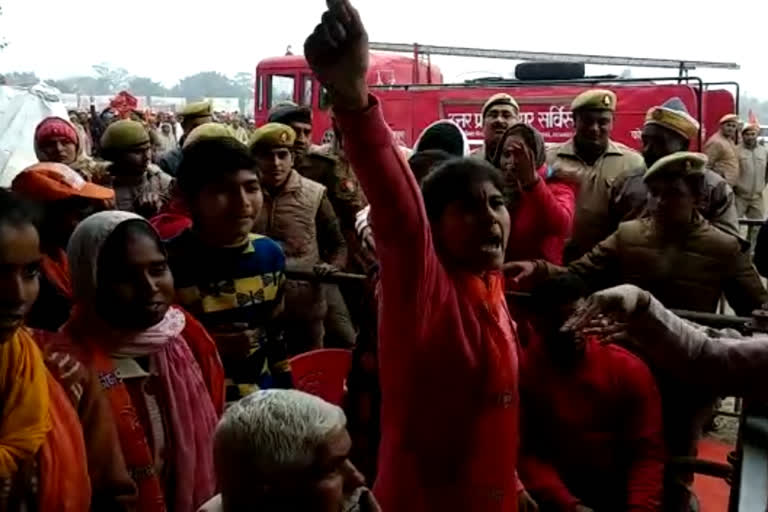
x=21, y=109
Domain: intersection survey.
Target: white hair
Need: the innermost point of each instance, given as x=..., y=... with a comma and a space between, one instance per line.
x=273, y=431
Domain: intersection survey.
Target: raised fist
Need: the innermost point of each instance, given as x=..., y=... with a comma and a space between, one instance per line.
x=337, y=52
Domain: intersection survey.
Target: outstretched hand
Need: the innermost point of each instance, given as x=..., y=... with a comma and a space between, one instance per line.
x=337, y=52
x=607, y=312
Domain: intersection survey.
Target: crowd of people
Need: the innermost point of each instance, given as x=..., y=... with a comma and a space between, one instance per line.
x=513, y=346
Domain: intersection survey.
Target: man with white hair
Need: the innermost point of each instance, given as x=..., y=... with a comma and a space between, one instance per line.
x=285, y=450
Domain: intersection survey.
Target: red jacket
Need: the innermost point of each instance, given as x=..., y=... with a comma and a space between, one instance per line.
x=592, y=433
x=447, y=351
x=542, y=220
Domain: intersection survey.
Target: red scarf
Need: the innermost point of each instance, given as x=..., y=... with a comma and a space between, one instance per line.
x=133, y=440
x=64, y=484
x=56, y=270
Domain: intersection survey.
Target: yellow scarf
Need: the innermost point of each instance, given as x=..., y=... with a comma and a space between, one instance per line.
x=25, y=419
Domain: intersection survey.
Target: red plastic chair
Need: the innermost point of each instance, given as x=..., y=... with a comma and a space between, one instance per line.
x=322, y=373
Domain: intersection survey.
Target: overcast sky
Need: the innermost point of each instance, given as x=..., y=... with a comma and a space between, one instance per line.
x=169, y=39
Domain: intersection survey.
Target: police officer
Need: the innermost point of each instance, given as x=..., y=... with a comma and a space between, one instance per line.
x=669, y=128
x=596, y=161
x=499, y=113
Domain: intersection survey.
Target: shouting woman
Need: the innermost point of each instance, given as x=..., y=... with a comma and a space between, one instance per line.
x=448, y=348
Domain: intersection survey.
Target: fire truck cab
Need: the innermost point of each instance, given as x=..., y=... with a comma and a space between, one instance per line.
x=413, y=95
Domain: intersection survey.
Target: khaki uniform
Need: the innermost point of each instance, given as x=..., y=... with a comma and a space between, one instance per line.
x=592, y=222
x=753, y=164
x=722, y=157
x=323, y=165
x=629, y=197
x=289, y=218
x=691, y=272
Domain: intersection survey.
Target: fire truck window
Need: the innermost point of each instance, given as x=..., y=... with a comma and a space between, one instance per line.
x=260, y=92
x=306, y=98
x=325, y=100
x=281, y=89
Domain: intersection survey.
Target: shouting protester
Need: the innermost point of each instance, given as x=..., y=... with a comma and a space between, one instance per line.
x=454, y=365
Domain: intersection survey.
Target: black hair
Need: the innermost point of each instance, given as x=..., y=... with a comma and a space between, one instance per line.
x=452, y=180
x=288, y=114
x=446, y=137
x=17, y=211
x=422, y=162
x=558, y=290
x=206, y=160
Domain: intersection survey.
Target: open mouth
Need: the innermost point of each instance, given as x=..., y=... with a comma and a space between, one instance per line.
x=492, y=244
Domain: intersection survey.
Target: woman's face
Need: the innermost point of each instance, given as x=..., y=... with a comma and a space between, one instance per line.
x=59, y=150
x=472, y=232
x=19, y=275
x=507, y=162
x=135, y=285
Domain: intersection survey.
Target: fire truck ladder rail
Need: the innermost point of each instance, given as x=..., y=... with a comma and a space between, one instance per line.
x=606, y=60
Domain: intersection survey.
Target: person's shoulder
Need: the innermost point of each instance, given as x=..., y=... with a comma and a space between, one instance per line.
x=562, y=149
x=635, y=230
x=711, y=239
x=629, y=153
x=267, y=249
x=311, y=185
x=627, y=368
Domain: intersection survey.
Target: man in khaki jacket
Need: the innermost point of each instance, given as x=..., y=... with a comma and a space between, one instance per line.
x=753, y=163
x=721, y=149
x=596, y=161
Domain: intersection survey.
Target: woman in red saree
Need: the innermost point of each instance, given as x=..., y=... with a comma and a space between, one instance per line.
x=448, y=347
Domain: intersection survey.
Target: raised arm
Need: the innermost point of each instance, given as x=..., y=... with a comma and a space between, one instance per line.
x=337, y=52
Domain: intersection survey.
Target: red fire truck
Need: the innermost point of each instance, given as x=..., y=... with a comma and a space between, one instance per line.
x=413, y=94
